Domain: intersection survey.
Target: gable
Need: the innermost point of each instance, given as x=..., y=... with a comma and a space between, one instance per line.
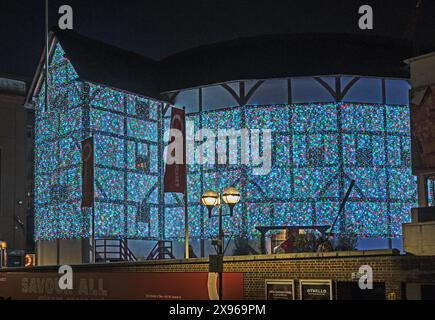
x=99, y=63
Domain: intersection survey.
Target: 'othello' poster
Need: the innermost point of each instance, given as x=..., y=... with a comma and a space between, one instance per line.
x=316, y=290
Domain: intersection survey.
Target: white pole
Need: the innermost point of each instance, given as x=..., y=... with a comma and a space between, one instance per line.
x=186, y=209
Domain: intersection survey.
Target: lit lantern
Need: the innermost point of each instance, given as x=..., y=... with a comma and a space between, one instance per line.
x=210, y=199
x=231, y=197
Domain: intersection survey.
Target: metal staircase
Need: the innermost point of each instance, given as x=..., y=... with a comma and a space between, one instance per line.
x=162, y=250
x=113, y=250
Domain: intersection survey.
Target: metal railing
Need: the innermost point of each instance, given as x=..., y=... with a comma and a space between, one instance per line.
x=162, y=250
x=113, y=250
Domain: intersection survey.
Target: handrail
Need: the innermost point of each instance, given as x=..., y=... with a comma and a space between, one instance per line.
x=123, y=252
x=161, y=250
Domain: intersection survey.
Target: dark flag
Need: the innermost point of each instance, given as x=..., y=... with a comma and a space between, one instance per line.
x=175, y=173
x=88, y=173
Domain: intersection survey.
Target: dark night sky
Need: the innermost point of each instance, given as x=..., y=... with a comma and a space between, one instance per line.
x=160, y=28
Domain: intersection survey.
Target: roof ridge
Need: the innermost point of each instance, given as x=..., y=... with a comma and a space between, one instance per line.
x=60, y=33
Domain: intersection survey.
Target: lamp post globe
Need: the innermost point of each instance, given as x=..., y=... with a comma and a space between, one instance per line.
x=210, y=199
x=231, y=197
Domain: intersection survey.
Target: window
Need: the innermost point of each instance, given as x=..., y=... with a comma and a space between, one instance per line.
x=142, y=109
x=364, y=157
x=316, y=156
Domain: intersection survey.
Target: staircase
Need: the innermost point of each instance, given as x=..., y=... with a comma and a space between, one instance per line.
x=162, y=250
x=113, y=250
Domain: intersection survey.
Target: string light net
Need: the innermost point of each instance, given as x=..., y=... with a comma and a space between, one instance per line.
x=316, y=150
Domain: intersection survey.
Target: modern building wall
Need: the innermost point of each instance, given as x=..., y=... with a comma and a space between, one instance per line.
x=13, y=179
x=30, y=179
x=60, y=252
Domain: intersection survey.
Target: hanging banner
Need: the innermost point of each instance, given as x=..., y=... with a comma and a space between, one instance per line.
x=88, y=173
x=120, y=286
x=175, y=172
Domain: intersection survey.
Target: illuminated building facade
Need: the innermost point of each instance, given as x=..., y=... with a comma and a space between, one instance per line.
x=326, y=131
x=125, y=131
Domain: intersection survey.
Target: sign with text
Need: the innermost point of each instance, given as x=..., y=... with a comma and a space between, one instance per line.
x=175, y=173
x=280, y=289
x=315, y=289
x=120, y=286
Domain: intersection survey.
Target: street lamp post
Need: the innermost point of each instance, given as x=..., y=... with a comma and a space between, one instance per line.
x=231, y=196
